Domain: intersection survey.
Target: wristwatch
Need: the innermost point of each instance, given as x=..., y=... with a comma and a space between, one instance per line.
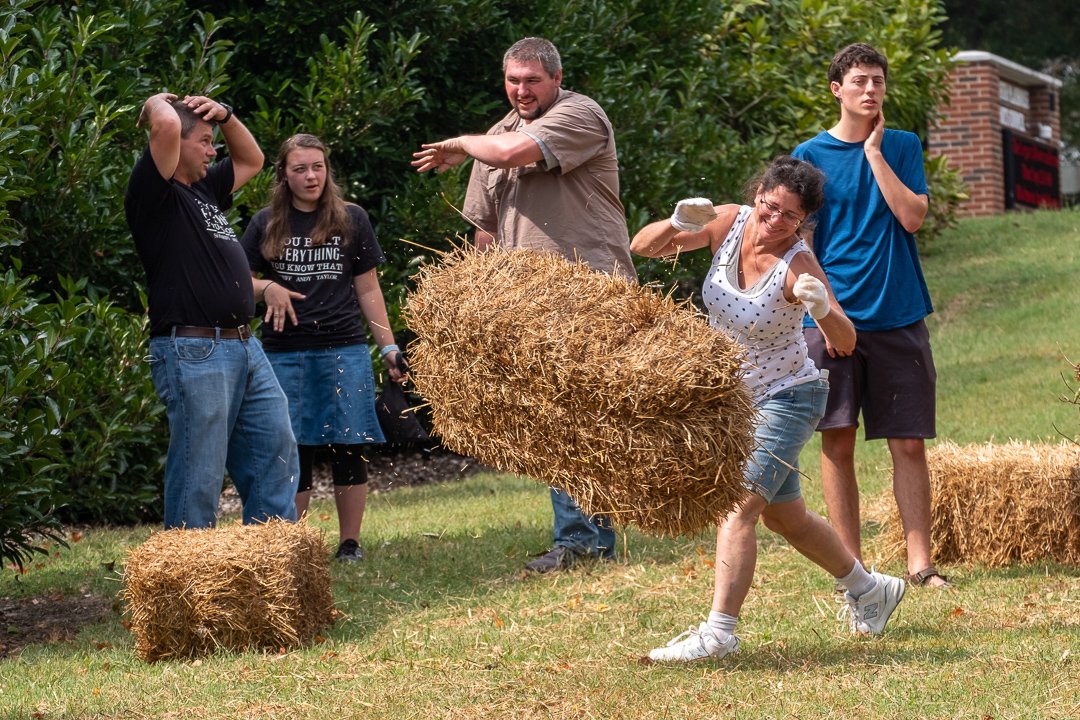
x=228, y=113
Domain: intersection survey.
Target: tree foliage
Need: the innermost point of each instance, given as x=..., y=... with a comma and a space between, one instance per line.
x=81, y=436
x=71, y=82
x=701, y=95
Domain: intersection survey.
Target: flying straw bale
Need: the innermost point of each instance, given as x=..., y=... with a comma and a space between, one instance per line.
x=613, y=392
x=242, y=587
x=996, y=505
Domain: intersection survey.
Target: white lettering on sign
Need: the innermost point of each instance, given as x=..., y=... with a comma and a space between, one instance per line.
x=1012, y=119
x=1014, y=95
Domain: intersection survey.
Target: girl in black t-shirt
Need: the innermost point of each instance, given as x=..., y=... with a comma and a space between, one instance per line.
x=314, y=259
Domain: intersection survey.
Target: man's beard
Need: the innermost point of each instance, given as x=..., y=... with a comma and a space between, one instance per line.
x=536, y=112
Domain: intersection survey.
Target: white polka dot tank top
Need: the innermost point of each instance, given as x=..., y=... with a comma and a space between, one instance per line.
x=759, y=317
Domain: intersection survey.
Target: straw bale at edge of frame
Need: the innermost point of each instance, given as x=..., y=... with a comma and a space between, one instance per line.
x=626, y=399
x=242, y=587
x=999, y=504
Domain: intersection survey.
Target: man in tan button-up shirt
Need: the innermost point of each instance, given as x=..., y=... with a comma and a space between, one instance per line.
x=546, y=179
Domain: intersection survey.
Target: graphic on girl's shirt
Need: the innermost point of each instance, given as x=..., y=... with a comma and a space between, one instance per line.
x=303, y=262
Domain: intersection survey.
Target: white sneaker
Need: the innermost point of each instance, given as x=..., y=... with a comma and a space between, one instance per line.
x=695, y=644
x=871, y=611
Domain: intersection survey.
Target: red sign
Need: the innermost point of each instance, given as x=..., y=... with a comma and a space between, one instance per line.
x=1032, y=172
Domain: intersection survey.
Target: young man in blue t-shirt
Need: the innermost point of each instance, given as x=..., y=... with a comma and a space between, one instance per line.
x=875, y=200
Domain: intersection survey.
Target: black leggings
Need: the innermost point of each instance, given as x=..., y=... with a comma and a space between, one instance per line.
x=346, y=462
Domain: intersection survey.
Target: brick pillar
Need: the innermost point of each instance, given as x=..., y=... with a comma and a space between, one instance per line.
x=968, y=134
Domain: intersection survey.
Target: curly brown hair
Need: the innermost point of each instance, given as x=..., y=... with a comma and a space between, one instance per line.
x=856, y=54
x=796, y=176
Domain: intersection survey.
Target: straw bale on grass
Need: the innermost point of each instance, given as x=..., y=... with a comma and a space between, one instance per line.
x=240, y=587
x=996, y=505
x=614, y=392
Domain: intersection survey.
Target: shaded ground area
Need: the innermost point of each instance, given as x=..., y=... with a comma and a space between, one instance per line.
x=59, y=618
x=386, y=471
x=56, y=618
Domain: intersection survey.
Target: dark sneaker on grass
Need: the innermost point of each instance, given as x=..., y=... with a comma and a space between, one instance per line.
x=349, y=551
x=557, y=558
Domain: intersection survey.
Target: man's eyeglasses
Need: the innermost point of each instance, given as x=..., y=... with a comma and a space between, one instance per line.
x=771, y=209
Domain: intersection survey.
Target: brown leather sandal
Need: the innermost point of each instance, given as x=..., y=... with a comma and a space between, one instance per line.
x=922, y=578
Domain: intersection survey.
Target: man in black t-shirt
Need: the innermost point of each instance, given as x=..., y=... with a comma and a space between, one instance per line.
x=226, y=410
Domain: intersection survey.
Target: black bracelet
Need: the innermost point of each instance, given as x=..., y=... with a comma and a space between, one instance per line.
x=228, y=114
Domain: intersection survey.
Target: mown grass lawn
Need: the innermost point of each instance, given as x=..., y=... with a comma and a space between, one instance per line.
x=438, y=621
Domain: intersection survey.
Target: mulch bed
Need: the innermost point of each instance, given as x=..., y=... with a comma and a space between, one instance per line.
x=386, y=471
x=50, y=619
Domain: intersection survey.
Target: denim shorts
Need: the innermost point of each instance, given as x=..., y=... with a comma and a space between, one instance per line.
x=331, y=394
x=786, y=421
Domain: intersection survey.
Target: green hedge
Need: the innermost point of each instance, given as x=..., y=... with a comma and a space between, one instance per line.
x=82, y=435
x=701, y=95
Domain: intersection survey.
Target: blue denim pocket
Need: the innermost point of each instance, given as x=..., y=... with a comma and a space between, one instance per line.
x=819, y=398
x=194, y=349
x=786, y=422
x=159, y=367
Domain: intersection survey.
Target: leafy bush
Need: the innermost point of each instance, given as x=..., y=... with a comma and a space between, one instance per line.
x=73, y=82
x=29, y=436
x=24, y=525
x=115, y=437
x=758, y=88
x=80, y=434
x=83, y=434
x=701, y=94
x=947, y=190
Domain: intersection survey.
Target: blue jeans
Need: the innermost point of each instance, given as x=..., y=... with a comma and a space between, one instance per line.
x=226, y=412
x=575, y=530
x=786, y=421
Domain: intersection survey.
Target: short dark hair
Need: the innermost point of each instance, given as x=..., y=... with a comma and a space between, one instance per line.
x=189, y=120
x=534, y=48
x=797, y=177
x=856, y=54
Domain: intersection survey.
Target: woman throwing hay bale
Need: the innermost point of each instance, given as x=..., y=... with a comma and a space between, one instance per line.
x=762, y=280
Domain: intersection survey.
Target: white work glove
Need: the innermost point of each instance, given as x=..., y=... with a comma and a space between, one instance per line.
x=811, y=292
x=693, y=214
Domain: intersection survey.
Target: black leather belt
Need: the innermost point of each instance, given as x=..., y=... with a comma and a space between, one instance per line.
x=237, y=333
